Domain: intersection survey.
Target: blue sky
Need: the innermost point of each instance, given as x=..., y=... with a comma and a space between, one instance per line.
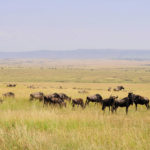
x=80, y=24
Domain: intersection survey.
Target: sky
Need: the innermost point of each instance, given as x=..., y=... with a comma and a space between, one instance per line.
x=27, y=25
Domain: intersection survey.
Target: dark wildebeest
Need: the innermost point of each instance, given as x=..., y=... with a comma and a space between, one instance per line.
x=108, y=102
x=78, y=101
x=109, y=89
x=9, y=94
x=125, y=102
x=137, y=99
x=38, y=95
x=97, y=98
x=119, y=88
x=64, y=97
x=11, y=85
x=49, y=100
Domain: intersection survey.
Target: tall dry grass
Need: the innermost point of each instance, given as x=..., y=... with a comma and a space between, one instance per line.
x=26, y=125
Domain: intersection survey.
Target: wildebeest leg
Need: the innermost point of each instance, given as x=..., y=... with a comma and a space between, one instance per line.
x=136, y=107
x=109, y=108
x=60, y=105
x=147, y=106
x=103, y=108
x=87, y=102
x=126, y=110
x=31, y=98
x=40, y=99
x=73, y=105
x=112, y=109
x=45, y=103
x=115, y=108
x=82, y=105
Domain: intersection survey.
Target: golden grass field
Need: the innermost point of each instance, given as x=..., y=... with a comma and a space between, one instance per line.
x=26, y=125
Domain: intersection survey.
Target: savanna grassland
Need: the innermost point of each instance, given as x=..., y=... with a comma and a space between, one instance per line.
x=26, y=125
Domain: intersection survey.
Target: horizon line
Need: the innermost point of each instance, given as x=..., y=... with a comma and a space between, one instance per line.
x=106, y=49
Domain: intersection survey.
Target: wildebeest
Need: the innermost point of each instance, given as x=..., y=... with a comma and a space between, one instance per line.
x=119, y=88
x=11, y=85
x=38, y=95
x=97, y=98
x=83, y=92
x=78, y=101
x=108, y=102
x=9, y=94
x=49, y=100
x=109, y=89
x=125, y=102
x=64, y=97
x=137, y=99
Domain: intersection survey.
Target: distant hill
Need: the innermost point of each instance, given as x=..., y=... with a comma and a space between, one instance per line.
x=81, y=54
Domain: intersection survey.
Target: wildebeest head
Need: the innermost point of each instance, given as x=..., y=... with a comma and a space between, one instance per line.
x=131, y=97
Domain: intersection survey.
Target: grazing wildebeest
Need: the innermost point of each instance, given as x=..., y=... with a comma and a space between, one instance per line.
x=78, y=101
x=108, y=102
x=119, y=88
x=38, y=95
x=137, y=99
x=109, y=89
x=97, y=98
x=9, y=94
x=83, y=92
x=64, y=97
x=125, y=102
x=11, y=85
x=49, y=100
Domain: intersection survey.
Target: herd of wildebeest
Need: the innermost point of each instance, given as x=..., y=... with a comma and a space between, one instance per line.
x=112, y=102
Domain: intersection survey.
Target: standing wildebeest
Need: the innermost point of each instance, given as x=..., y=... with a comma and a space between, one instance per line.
x=11, y=85
x=95, y=98
x=125, y=102
x=49, y=100
x=108, y=102
x=119, y=88
x=9, y=94
x=109, y=89
x=137, y=99
x=64, y=97
x=38, y=95
x=78, y=101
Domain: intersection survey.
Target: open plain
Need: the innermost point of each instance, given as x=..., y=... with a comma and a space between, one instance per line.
x=27, y=125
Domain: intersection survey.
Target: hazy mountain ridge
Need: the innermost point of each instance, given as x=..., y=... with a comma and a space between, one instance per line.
x=80, y=54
